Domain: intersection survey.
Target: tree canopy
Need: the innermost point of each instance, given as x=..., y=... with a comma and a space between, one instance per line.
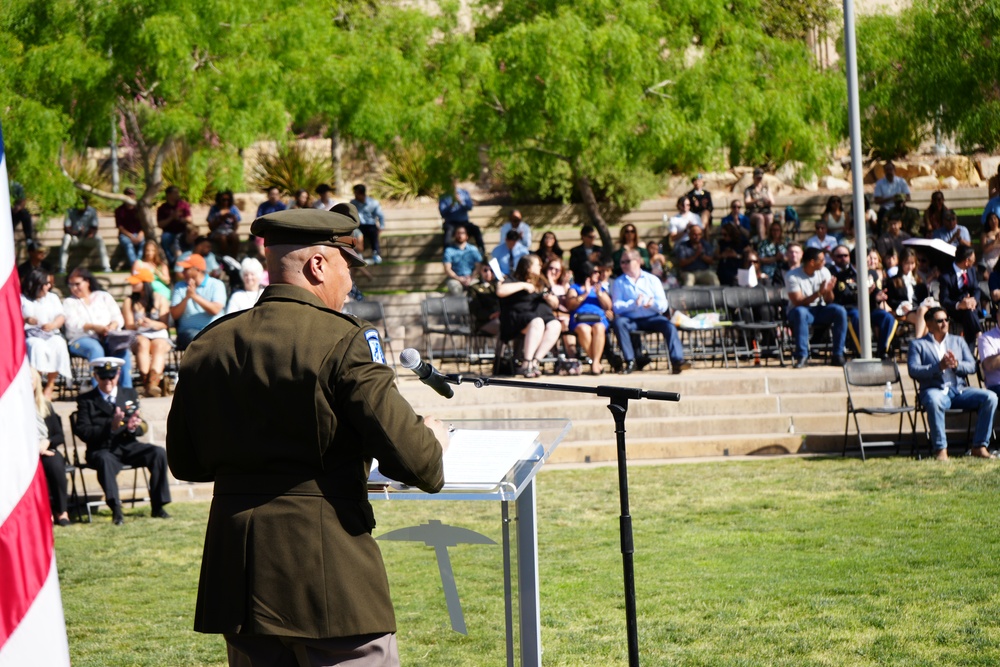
x=595, y=100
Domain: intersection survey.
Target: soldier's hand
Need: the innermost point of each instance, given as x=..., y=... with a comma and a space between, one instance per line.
x=439, y=430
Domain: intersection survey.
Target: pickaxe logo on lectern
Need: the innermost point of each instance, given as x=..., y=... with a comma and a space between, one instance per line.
x=440, y=536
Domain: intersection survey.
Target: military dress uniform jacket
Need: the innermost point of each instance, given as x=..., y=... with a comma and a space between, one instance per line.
x=284, y=406
x=94, y=417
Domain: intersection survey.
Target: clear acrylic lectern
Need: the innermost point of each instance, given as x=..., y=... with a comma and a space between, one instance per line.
x=497, y=460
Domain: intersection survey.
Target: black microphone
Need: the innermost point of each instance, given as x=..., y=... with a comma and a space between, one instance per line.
x=410, y=358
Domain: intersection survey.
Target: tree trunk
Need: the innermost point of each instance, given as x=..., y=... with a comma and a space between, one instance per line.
x=594, y=212
x=337, y=155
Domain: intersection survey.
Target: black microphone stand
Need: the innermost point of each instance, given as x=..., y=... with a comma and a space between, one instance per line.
x=618, y=405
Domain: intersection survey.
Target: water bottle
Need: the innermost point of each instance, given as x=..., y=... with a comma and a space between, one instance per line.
x=888, y=395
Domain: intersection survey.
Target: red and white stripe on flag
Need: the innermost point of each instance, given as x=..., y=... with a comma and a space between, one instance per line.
x=32, y=627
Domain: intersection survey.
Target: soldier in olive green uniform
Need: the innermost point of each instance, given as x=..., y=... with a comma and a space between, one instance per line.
x=284, y=406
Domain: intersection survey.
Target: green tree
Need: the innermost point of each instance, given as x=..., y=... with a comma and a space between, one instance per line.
x=598, y=97
x=163, y=70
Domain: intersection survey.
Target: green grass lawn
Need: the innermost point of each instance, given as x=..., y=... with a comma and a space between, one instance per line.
x=771, y=562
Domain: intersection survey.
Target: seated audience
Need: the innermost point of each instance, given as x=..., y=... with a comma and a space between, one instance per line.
x=273, y=203
x=940, y=363
x=952, y=232
x=146, y=313
x=251, y=272
x=154, y=260
x=460, y=259
x=846, y=295
x=908, y=294
x=771, y=251
x=730, y=253
x=823, y=241
x=810, y=295
x=200, y=245
x=128, y=220
x=959, y=293
x=526, y=309
x=19, y=213
x=989, y=356
x=81, y=228
x=110, y=423
x=94, y=323
x=517, y=223
x=587, y=251
x=224, y=222
x=757, y=198
x=628, y=239
x=509, y=253
x=886, y=189
x=559, y=281
x=43, y=318
x=678, y=225
x=36, y=259
x=197, y=301
x=738, y=219
x=909, y=216
x=484, y=305
x=833, y=214
x=933, y=215
x=548, y=247
x=847, y=237
x=930, y=275
x=372, y=220
x=326, y=200
x=891, y=242
x=173, y=217
x=990, y=245
x=992, y=206
x=50, y=436
x=639, y=304
x=588, y=301
x=658, y=264
x=694, y=258
x=454, y=207
x=301, y=199
x=701, y=201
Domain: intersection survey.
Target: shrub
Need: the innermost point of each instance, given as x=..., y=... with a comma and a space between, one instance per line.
x=290, y=169
x=409, y=173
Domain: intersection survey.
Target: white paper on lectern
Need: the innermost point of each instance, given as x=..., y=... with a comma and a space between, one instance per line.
x=480, y=458
x=483, y=458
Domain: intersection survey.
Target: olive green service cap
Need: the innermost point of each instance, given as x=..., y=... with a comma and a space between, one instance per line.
x=312, y=226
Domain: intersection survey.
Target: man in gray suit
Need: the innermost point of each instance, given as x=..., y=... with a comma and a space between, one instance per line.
x=940, y=362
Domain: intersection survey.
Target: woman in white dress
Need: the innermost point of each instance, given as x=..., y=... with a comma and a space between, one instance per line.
x=43, y=318
x=251, y=271
x=146, y=313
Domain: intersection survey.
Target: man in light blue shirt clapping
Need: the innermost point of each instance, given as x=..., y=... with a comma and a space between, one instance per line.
x=639, y=304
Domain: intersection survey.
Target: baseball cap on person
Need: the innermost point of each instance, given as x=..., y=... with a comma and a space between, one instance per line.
x=145, y=275
x=106, y=367
x=311, y=226
x=195, y=261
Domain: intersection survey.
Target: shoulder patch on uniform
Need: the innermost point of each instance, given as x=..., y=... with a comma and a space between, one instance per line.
x=375, y=346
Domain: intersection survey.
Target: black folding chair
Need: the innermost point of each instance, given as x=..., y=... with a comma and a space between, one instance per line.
x=859, y=373
x=756, y=332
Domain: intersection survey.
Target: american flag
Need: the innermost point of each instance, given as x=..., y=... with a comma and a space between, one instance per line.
x=32, y=628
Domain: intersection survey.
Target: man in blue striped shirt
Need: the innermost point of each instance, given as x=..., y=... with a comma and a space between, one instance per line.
x=639, y=303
